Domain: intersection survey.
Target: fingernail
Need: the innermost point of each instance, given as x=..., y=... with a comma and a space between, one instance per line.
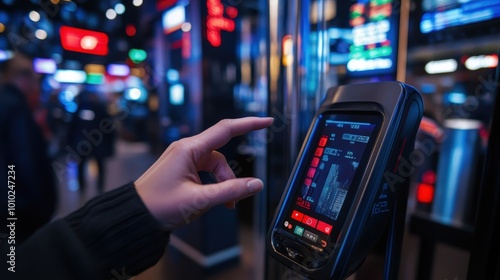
x=255, y=185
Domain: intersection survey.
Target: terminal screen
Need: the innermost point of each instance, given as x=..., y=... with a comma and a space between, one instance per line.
x=340, y=148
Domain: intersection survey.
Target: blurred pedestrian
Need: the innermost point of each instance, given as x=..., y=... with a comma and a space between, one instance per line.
x=89, y=139
x=24, y=148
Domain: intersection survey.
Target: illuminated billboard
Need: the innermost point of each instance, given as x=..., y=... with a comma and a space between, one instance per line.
x=440, y=15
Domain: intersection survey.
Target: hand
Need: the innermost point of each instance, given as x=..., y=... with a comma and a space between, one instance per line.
x=171, y=188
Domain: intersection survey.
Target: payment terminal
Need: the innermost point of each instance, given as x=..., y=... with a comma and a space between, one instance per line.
x=342, y=192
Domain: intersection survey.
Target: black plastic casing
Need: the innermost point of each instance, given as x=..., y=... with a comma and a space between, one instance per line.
x=401, y=108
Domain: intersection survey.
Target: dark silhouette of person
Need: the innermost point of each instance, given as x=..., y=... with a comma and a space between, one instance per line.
x=87, y=137
x=23, y=148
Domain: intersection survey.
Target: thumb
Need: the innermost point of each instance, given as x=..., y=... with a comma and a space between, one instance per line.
x=234, y=190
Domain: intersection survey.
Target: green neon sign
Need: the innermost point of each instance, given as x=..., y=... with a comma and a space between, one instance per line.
x=137, y=55
x=95, y=79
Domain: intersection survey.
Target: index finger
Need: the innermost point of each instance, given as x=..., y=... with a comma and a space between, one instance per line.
x=219, y=134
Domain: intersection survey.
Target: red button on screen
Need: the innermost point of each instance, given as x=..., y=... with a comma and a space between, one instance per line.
x=324, y=227
x=315, y=162
x=309, y=221
x=296, y=215
x=311, y=172
x=322, y=141
x=318, y=152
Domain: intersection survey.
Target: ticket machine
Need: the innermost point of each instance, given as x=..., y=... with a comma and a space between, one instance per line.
x=348, y=188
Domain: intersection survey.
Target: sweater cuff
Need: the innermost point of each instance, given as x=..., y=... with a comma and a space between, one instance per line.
x=119, y=232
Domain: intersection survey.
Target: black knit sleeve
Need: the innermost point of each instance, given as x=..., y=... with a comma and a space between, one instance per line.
x=113, y=235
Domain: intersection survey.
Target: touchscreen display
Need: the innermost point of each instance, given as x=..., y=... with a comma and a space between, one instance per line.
x=341, y=144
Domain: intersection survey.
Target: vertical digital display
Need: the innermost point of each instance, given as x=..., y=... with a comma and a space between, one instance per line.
x=374, y=31
x=328, y=184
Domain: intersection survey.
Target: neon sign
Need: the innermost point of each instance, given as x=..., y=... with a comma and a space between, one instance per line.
x=173, y=19
x=137, y=55
x=481, y=61
x=84, y=41
x=45, y=65
x=164, y=4
x=119, y=70
x=216, y=22
x=441, y=66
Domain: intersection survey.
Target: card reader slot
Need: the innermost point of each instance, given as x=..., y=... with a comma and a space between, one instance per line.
x=302, y=253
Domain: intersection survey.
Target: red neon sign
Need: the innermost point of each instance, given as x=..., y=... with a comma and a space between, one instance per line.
x=232, y=12
x=216, y=22
x=84, y=41
x=162, y=5
x=130, y=30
